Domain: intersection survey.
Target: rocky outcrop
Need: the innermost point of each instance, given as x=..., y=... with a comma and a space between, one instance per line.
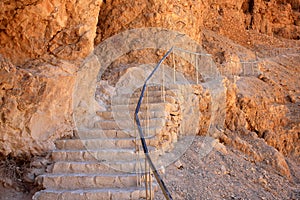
x=234, y=18
x=46, y=40
x=262, y=117
x=278, y=17
x=183, y=16
x=268, y=105
x=32, y=29
x=36, y=107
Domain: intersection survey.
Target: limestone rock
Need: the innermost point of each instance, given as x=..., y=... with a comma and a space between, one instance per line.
x=183, y=16
x=33, y=29
x=233, y=17
x=44, y=39
x=35, y=107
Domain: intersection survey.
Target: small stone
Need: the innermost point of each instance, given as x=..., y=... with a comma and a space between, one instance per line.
x=29, y=178
x=7, y=183
x=221, y=148
x=263, y=78
x=291, y=98
x=162, y=170
x=178, y=164
x=262, y=181
x=223, y=169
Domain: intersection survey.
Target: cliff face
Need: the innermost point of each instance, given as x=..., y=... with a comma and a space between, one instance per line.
x=42, y=43
x=35, y=107
x=274, y=18
x=33, y=29
x=183, y=16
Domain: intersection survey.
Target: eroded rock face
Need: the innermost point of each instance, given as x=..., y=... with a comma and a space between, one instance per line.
x=183, y=16
x=278, y=17
x=46, y=40
x=36, y=107
x=233, y=18
x=262, y=105
x=33, y=29
x=262, y=108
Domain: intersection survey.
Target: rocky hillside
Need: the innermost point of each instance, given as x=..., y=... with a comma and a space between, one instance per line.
x=43, y=43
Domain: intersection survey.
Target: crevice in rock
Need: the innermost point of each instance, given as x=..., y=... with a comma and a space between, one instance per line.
x=248, y=6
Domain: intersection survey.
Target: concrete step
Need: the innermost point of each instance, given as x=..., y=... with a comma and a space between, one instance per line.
x=88, y=181
x=103, y=155
x=112, y=124
x=91, y=167
x=109, y=115
x=134, y=193
x=99, y=143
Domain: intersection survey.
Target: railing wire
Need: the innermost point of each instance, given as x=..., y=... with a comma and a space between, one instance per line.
x=144, y=145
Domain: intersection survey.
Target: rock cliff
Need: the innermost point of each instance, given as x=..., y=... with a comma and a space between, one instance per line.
x=42, y=43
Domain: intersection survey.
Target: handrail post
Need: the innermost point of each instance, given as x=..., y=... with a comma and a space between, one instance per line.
x=197, y=72
x=163, y=85
x=211, y=64
x=146, y=179
x=174, y=67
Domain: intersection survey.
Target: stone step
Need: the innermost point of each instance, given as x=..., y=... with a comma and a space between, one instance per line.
x=121, y=100
x=88, y=181
x=149, y=93
x=134, y=193
x=109, y=115
x=144, y=107
x=104, y=155
x=159, y=87
x=98, y=143
x=128, y=124
x=115, y=133
x=90, y=167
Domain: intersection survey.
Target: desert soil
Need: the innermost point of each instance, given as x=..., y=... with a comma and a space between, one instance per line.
x=227, y=173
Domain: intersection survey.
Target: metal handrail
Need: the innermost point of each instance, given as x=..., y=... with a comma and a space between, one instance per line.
x=144, y=145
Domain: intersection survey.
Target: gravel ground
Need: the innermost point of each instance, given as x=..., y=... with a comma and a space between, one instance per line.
x=226, y=173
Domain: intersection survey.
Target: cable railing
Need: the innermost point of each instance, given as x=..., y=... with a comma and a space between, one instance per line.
x=148, y=159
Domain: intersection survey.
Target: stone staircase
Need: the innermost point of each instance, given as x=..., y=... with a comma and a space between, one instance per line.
x=106, y=161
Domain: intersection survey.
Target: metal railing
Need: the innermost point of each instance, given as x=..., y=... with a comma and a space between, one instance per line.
x=148, y=159
x=158, y=178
